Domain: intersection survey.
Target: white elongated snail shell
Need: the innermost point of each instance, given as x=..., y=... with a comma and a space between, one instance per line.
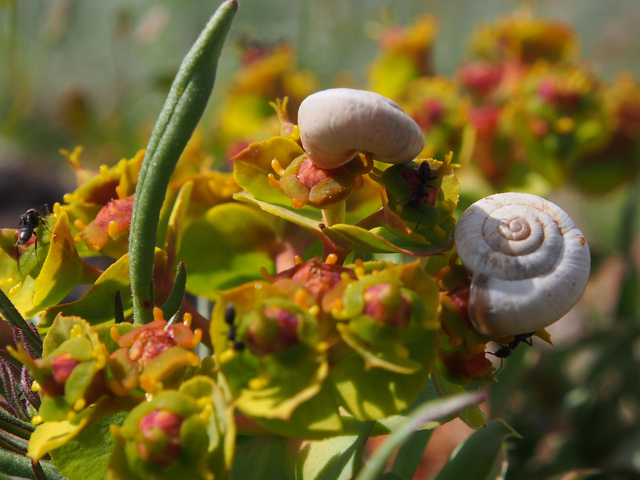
x=529, y=261
x=337, y=123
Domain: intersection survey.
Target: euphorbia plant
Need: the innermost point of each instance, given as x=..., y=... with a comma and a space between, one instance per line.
x=308, y=360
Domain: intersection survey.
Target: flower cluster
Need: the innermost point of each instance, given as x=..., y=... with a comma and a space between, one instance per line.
x=282, y=342
x=87, y=373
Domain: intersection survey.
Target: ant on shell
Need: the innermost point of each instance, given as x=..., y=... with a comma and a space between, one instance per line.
x=27, y=228
x=506, y=350
x=229, y=318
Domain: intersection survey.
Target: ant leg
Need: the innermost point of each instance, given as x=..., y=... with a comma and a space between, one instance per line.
x=17, y=255
x=501, y=365
x=36, y=249
x=401, y=201
x=424, y=214
x=45, y=225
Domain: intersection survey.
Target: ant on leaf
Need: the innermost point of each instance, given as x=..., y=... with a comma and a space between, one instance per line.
x=27, y=228
x=421, y=191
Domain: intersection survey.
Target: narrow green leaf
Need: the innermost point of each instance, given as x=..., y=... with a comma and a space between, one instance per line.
x=11, y=315
x=20, y=466
x=580, y=474
x=174, y=301
x=14, y=442
x=118, y=308
x=179, y=116
x=428, y=412
x=259, y=457
x=14, y=425
x=393, y=476
x=477, y=456
x=337, y=458
x=392, y=423
x=472, y=416
x=410, y=453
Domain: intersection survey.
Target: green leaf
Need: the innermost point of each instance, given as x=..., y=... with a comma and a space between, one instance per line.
x=392, y=476
x=580, y=474
x=430, y=411
x=51, y=435
x=60, y=332
x=226, y=248
x=221, y=427
x=337, y=458
x=104, y=334
x=275, y=458
x=392, y=423
x=62, y=269
x=180, y=114
x=95, y=444
x=315, y=418
x=378, y=393
x=289, y=385
x=381, y=240
x=173, y=304
x=258, y=457
x=305, y=217
x=32, y=288
x=473, y=416
x=97, y=305
x=252, y=166
x=358, y=239
x=410, y=454
x=476, y=458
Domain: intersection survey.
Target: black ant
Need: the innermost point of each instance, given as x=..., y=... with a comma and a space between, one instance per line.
x=229, y=318
x=420, y=195
x=506, y=350
x=27, y=228
x=420, y=188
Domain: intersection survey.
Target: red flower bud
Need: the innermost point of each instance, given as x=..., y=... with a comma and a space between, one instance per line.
x=559, y=95
x=387, y=306
x=275, y=331
x=317, y=277
x=61, y=365
x=160, y=431
x=481, y=77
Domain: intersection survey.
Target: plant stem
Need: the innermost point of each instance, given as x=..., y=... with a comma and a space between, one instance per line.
x=179, y=116
x=334, y=214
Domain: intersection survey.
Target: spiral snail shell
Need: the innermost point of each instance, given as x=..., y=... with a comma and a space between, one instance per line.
x=529, y=261
x=338, y=123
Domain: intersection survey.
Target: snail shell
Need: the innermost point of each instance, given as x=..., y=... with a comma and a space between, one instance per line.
x=529, y=261
x=338, y=123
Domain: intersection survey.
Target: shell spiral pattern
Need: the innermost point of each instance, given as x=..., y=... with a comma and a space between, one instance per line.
x=530, y=263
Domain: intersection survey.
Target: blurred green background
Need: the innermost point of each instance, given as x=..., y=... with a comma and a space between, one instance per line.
x=96, y=72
